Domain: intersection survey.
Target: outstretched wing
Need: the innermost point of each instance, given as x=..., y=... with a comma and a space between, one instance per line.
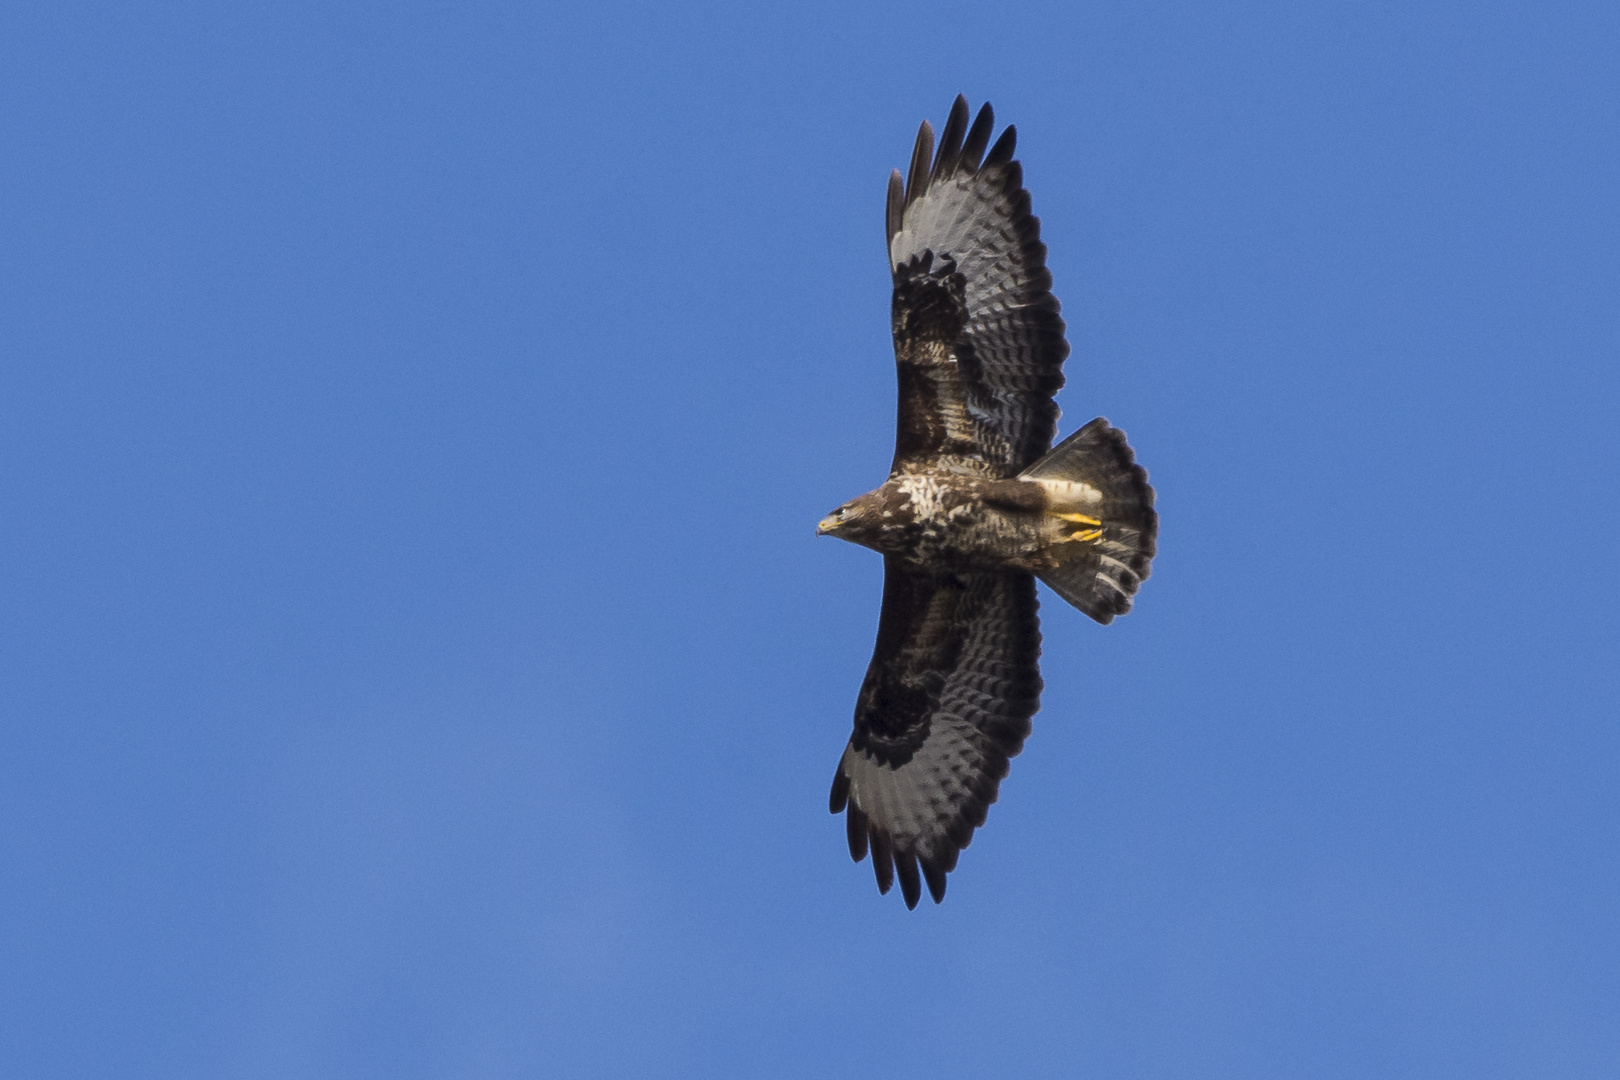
x=947, y=699
x=977, y=335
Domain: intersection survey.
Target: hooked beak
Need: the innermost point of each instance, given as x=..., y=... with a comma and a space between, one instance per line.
x=828, y=524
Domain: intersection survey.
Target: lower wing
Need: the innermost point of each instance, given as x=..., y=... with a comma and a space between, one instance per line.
x=946, y=702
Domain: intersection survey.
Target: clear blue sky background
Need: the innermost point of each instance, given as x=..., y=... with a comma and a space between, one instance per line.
x=416, y=659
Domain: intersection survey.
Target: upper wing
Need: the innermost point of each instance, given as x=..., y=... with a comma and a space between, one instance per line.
x=947, y=699
x=977, y=335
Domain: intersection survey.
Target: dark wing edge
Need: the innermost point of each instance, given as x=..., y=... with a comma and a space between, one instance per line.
x=946, y=702
x=978, y=338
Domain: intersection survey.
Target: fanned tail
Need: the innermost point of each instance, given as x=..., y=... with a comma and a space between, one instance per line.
x=1104, y=530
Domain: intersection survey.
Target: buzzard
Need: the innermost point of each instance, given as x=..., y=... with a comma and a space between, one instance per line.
x=978, y=504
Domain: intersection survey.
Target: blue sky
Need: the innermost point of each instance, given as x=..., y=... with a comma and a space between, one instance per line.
x=417, y=659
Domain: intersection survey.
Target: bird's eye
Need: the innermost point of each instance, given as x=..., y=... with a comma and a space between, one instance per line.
x=842, y=514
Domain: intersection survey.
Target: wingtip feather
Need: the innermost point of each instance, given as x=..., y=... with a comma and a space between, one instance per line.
x=895, y=208
x=935, y=876
x=950, y=140
x=882, y=861
x=905, y=865
x=921, y=156
x=1002, y=152
x=840, y=790
x=855, y=824
x=978, y=137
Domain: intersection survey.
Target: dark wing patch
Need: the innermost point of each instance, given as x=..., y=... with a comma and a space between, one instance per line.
x=976, y=384
x=947, y=699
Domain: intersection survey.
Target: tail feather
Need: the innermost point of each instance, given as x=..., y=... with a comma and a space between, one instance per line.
x=1092, y=479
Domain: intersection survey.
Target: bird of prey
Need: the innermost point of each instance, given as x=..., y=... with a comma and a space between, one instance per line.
x=978, y=504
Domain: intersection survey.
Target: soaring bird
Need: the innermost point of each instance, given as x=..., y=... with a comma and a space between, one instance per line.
x=978, y=504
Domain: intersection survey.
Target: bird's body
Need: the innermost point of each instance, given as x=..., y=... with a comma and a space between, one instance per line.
x=944, y=520
x=976, y=506
x=971, y=523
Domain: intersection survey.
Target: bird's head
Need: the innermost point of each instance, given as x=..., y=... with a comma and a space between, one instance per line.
x=856, y=521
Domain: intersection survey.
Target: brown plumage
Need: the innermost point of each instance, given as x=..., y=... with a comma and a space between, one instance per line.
x=976, y=507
